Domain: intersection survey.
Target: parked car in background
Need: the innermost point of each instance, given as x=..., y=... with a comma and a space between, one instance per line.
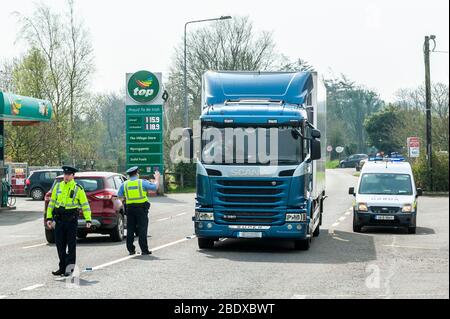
x=108, y=215
x=39, y=182
x=352, y=160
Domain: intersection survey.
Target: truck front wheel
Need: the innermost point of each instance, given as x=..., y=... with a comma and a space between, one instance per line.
x=205, y=243
x=302, y=244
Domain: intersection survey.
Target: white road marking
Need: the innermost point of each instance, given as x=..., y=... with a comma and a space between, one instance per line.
x=341, y=239
x=299, y=297
x=163, y=219
x=3, y=297
x=413, y=247
x=335, y=225
x=348, y=213
x=32, y=287
x=23, y=236
x=180, y=214
x=341, y=219
x=134, y=256
x=34, y=246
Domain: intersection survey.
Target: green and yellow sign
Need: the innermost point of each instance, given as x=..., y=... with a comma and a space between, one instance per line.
x=144, y=122
x=16, y=108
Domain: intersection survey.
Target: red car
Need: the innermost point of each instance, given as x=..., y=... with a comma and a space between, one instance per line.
x=108, y=215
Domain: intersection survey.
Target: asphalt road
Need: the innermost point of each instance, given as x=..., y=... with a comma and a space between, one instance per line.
x=380, y=263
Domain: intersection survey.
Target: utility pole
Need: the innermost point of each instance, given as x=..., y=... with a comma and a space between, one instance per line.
x=428, y=106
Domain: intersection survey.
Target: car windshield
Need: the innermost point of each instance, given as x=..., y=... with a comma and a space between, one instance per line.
x=90, y=184
x=251, y=146
x=385, y=184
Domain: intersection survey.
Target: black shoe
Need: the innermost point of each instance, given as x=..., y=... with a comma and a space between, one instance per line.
x=58, y=273
x=68, y=273
x=145, y=253
x=131, y=253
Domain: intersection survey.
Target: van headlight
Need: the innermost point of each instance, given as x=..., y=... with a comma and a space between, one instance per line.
x=362, y=207
x=204, y=216
x=407, y=208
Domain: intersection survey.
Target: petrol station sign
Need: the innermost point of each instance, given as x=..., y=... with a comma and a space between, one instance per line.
x=144, y=122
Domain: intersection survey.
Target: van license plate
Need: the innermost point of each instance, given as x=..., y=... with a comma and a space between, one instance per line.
x=383, y=217
x=249, y=235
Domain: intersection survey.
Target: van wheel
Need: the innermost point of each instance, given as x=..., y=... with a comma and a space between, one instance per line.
x=412, y=230
x=50, y=236
x=205, y=243
x=357, y=228
x=37, y=194
x=302, y=244
x=118, y=232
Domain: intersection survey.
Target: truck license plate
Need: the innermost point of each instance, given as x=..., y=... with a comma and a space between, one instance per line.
x=383, y=217
x=250, y=235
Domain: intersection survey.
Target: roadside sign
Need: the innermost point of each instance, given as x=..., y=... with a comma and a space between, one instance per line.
x=339, y=149
x=144, y=122
x=413, y=146
x=329, y=148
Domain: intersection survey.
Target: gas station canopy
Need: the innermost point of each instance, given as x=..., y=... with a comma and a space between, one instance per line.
x=22, y=110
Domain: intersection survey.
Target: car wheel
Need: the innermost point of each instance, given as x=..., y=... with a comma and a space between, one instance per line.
x=205, y=243
x=50, y=236
x=357, y=228
x=118, y=232
x=37, y=194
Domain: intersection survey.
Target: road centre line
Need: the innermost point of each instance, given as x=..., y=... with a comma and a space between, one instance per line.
x=335, y=225
x=34, y=246
x=3, y=297
x=32, y=287
x=134, y=256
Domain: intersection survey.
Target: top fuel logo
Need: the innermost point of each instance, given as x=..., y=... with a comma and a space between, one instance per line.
x=143, y=86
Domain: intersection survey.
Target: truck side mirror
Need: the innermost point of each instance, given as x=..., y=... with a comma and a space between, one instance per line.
x=188, y=144
x=419, y=192
x=315, y=133
x=315, y=149
x=351, y=191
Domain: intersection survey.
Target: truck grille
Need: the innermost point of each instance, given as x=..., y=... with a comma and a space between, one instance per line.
x=255, y=201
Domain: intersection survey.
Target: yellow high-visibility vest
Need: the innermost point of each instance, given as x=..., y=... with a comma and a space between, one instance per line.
x=134, y=192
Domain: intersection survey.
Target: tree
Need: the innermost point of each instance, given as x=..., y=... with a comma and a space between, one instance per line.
x=65, y=47
x=381, y=128
x=351, y=104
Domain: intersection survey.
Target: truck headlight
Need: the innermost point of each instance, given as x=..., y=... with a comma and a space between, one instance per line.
x=362, y=207
x=296, y=217
x=407, y=208
x=204, y=216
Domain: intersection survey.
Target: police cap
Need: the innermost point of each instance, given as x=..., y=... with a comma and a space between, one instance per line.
x=132, y=170
x=69, y=170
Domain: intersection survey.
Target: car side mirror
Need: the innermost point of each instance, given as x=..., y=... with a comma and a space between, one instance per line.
x=419, y=192
x=315, y=150
x=188, y=144
x=351, y=191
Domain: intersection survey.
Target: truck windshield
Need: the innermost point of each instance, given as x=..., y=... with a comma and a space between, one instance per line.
x=385, y=184
x=251, y=146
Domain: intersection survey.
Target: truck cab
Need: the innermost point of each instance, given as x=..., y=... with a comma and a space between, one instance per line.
x=385, y=196
x=260, y=173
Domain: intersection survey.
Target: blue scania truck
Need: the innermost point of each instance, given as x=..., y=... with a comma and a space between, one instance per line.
x=261, y=158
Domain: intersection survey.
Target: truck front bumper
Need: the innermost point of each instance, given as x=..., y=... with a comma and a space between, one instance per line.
x=210, y=229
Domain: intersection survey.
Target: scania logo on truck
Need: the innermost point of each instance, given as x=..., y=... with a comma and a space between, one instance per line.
x=143, y=86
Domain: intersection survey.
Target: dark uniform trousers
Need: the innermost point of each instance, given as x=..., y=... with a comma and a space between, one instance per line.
x=137, y=222
x=66, y=237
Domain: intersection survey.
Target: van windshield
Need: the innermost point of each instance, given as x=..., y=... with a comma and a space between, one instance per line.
x=385, y=184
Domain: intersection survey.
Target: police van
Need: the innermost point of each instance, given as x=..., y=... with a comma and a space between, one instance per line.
x=385, y=196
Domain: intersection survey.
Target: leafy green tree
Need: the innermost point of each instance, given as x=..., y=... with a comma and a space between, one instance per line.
x=381, y=128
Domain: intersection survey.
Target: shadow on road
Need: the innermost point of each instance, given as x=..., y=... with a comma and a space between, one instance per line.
x=398, y=231
x=19, y=217
x=338, y=248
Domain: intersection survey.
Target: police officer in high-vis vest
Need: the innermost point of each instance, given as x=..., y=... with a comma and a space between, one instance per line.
x=135, y=191
x=67, y=199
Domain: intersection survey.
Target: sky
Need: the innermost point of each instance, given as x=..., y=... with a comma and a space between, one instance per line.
x=377, y=43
